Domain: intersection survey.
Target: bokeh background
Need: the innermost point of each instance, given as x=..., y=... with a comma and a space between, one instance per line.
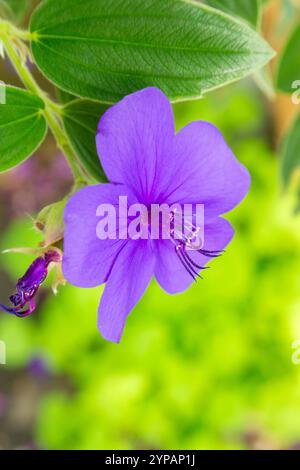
x=210, y=368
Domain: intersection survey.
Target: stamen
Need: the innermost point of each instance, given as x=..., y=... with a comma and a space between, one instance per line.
x=183, y=262
x=193, y=262
x=189, y=238
x=185, y=231
x=211, y=254
x=187, y=262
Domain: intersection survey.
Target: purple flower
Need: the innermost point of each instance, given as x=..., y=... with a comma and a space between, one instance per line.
x=144, y=160
x=28, y=285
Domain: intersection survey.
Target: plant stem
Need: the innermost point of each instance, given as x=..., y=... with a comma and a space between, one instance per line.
x=20, y=67
x=52, y=110
x=63, y=144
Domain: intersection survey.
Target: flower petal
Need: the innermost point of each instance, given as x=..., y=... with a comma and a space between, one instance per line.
x=169, y=271
x=129, y=278
x=206, y=171
x=35, y=274
x=135, y=139
x=87, y=260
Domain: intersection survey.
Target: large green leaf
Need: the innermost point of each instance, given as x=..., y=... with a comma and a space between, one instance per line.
x=289, y=66
x=247, y=9
x=290, y=158
x=22, y=126
x=105, y=49
x=81, y=119
x=63, y=96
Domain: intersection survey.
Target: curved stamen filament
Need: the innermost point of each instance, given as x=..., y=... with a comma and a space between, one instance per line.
x=211, y=254
x=184, y=263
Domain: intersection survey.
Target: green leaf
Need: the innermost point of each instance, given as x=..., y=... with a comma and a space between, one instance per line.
x=22, y=126
x=289, y=66
x=14, y=9
x=249, y=10
x=105, y=49
x=290, y=157
x=81, y=118
x=63, y=96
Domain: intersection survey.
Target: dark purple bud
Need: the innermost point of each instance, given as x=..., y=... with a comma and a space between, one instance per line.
x=23, y=300
x=39, y=367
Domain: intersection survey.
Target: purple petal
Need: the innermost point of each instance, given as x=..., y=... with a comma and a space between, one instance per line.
x=35, y=274
x=28, y=285
x=25, y=313
x=87, y=260
x=17, y=311
x=6, y=309
x=169, y=271
x=135, y=141
x=127, y=283
x=206, y=171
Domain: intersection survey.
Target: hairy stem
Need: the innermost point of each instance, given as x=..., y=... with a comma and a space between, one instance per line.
x=52, y=110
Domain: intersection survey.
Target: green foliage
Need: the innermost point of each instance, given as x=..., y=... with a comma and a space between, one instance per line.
x=289, y=66
x=194, y=370
x=22, y=126
x=290, y=154
x=81, y=118
x=197, y=370
x=104, y=56
x=134, y=44
x=246, y=9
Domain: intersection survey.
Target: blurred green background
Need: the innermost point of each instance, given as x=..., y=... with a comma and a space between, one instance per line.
x=207, y=369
